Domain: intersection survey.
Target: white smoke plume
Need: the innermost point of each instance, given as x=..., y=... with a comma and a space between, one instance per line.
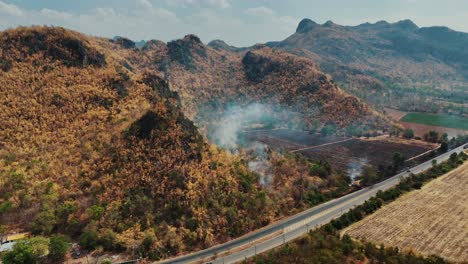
x=261, y=164
x=228, y=136
x=355, y=168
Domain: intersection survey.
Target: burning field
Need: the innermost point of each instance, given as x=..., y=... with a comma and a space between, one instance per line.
x=344, y=154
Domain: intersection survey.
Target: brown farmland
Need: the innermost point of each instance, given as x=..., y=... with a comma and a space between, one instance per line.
x=429, y=221
x=420, y=129
x=341, y=152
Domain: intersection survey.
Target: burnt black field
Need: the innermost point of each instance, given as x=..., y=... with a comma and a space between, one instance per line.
x=340, y=152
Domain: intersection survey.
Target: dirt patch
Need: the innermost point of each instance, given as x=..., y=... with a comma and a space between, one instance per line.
x=420, y=130
x=395, y=114
x=430, y=221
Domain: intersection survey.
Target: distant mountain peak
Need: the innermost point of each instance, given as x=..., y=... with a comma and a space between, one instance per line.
x=382, y=23
x=192, y=38
x=329, y=23
x=406, y=24
x=305, y=25
x=221, y=45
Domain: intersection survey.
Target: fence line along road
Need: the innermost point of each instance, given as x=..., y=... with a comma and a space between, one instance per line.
x=297, y=225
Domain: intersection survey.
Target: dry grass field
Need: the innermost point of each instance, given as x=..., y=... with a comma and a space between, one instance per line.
x=429, y=221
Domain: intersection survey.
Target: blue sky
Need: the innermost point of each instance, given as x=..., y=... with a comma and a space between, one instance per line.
x=238, y=22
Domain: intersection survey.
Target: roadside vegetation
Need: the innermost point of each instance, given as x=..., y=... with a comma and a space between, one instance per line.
x=325, y=245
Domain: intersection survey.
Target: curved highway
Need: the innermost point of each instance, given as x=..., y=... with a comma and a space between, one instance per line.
x=294, y=226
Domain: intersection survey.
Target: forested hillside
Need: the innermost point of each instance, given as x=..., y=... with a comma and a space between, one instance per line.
x=210, y=80
x=396, y=65
x=96, y=142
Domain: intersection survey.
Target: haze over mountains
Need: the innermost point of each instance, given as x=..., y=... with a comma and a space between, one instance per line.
x=385, y=63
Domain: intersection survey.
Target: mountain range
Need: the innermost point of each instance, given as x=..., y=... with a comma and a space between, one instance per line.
x=397, y=65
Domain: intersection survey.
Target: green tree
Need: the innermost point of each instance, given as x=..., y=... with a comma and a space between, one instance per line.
x=89, y=239
x=408, y=133
x=369, y=175
x=26, y=251
x=44, y=222
x=443, y=147
x=95, y=212
x=328, y=130
x=431, y=136
x=453, y=157
x=58, y=247
x=21, y=253
x=398, y=160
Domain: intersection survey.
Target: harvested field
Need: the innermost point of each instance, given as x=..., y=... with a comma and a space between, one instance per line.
x=341, y=153
x=420, y=130
x=432, y=220
x=441, y=120
x=395, y=114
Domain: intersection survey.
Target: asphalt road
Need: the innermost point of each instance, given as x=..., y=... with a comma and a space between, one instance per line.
x=294, y=226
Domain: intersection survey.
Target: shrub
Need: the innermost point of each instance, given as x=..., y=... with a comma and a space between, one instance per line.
x=89, y=239
x=58, y=247
x=21, y=253
x=408, y=133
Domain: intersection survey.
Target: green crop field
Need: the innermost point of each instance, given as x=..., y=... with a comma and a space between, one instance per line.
x=442, y=120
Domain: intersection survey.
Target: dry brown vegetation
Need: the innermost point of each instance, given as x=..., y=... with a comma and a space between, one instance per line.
x=429, y=221
x=209, y=80
x=95, y=144
x=100, y=149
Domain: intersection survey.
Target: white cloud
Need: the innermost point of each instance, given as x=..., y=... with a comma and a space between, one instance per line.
x=220, y=3
x=187, y=3
x=260, y=11
x=147, y=20
x=145, y=4
x=55, y=14
x=10, y=9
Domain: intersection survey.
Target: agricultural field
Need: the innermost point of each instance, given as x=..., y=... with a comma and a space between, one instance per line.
x=421, y=123
x=428, y=221
x=420, y=130
x=442, y=120
x=343, y=154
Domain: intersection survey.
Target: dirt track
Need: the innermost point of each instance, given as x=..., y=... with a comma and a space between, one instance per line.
x=429, y=221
